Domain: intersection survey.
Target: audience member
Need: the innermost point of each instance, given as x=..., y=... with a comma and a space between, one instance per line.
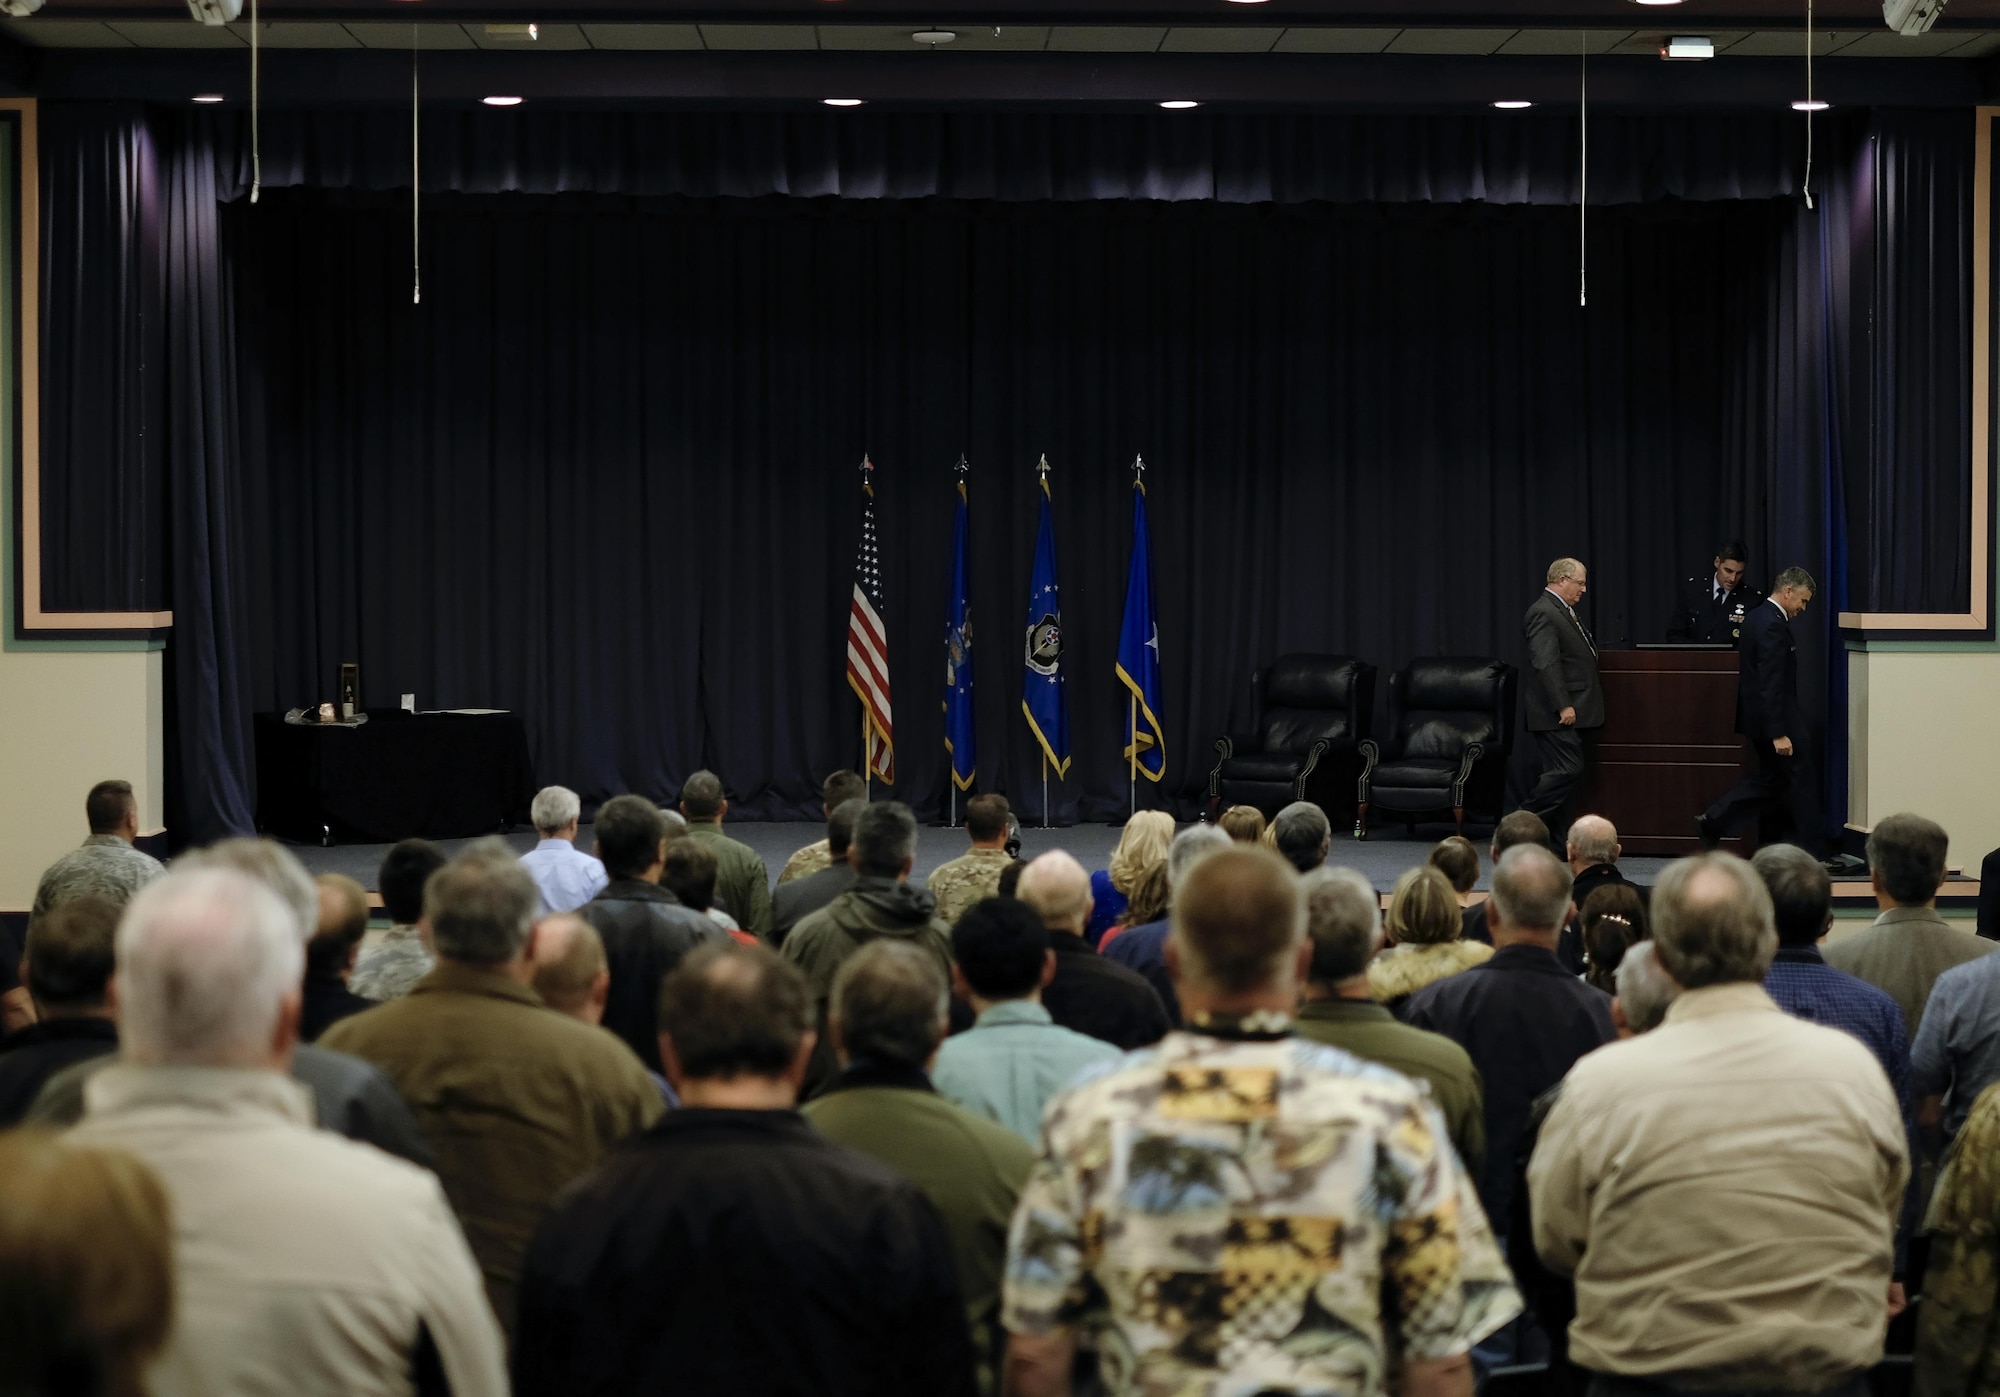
x=688, y=872
x=1645, y=991
x=1515, y=827
x=112, y=812
x=1142, y=946
x=1520, y=1016
x=515, y=1099
x=1724, y=1235
x=1010, y=877
x=1142, y=844
x=733, y=1248
x=835, y=792
x=890, y=1012
x=1609, y=921
x=305, y=1263
x=1958, y=1342
x=573, y=977
x=565, y=876
x=1956, y=1055
x=66, y=969
x=1244, y=824
x=1909, y=945
x=1458, y=860
x=1344, y=924
x=343, y=922
x=975, y=874
x=86, y=1269
x=1425, y=936
x=742, y=885
x=1089, y=993
x=798, y=899
x=1592, y=850
x=1147, y=904
x=1214, y=1257
x=392, y=968
x=644, y=927
x=1302, y=834
x=1015, y=1056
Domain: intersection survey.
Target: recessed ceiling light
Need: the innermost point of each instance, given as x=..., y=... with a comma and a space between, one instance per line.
x=501, y=101
x=1247, y=2
x=1688, y=46
x=1657, y=2
x=1179, y=104
x=841, y=101
x=1815, y=105
x=934, y=37
x=208, y=99
x=1512, y=104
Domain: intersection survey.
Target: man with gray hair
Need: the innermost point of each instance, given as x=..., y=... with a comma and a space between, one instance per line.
x=1144, y=948
x=1344, y=924
x=890, y=1011
x=1782, y=791
x=565, y=876
x=305, y=1263
x=1645, y=991
x=1562, y=698
x=1090, y=994
x=1301, y=833
x=1724, y=1189
x=516, y=1099
x=1522, y=1018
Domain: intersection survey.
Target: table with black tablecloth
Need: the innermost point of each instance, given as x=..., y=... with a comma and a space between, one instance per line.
x=397, y=776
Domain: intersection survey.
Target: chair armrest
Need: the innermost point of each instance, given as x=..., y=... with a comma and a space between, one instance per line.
x=1319, y=749
x=1371, y=753
x=1467, y=760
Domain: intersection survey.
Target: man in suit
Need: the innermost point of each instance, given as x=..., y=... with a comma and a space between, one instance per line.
x=1565, y=702
x=1711, y=610
x=1783, y=787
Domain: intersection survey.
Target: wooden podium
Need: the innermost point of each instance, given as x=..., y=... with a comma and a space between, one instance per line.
x=1668, y=746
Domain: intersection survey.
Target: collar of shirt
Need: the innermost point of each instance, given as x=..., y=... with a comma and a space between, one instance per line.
x=1345, y=1011
x=1521, y=955
x=99, y=840
x=864, y=1073
x=1781, y=610
x=634, y=890
x=403, y=931
x=223, y=1090
x=562, y=844
x=452, y=977
x=1711, y=1001
x=1559, y=600
x=1068, y=943
x=1013, y=1011
x=1257, y=1026
x=1799, y=955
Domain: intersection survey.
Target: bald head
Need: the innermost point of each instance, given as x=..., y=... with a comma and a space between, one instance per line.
x=1530, y=899
x=571, y=975
x=1592, y=840
x=1238, y=925
x=1056, y=886
x=1712, y=921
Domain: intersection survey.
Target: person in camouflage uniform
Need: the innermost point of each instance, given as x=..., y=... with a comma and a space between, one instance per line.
x=976, y=874
x=391, y=968
x=1239, y=1210
x=838, y=789
x=1958, y=1348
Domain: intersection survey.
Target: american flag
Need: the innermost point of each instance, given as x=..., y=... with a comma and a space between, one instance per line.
x=868, y=639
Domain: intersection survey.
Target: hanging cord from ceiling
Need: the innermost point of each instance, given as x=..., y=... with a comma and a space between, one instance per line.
x=1583, y=174
x=416, y=178
x=1807, y=187
x=256, y=103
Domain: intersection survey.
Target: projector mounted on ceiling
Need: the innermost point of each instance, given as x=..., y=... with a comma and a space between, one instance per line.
x=19, y=9
x=215, y=11
x=1911, y=16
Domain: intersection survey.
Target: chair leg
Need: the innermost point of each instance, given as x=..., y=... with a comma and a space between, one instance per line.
x=1361, y=820
x=1458, y=816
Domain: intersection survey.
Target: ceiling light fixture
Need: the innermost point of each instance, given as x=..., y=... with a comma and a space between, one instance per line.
x=841, y=101
x=1246, y=2
x=208, y=99
x=1656, y=2
x=1812, y=105
x=501, y=101
x=1512, y=104
x=1179, y=104
x=933, y=37
x=1688, y=46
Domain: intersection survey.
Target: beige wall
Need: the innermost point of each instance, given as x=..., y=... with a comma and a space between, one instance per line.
x=1924, y=731
x=69, y=719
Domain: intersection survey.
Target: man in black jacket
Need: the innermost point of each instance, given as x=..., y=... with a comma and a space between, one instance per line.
x=732, y=1248
x=1783, y=788
x=645, y=929
x=1090, y=993
x=793, y=902
x=1564, y=701
x=67, y=967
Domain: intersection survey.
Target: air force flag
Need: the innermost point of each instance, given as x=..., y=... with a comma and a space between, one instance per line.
x=1042, y=686
x=1139, y=650
x=958, y=734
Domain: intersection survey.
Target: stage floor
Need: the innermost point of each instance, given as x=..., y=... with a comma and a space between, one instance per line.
x=1380, y=860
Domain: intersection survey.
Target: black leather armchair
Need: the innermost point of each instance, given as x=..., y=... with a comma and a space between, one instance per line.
x=1308, y=712
x=1451, y=720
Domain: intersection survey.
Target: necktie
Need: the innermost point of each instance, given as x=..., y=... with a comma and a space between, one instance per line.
x=1581, y=628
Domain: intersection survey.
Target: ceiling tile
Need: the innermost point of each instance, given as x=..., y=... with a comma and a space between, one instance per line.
x=1888, y=44
x=1766, y=43
x=1104, y=38
x=643, y=36
x=1450, y=40
x=548, y=38
x=1012, y=38
x=1310, y=39
x=1976, y=47
x=1200, y=38
x=1649, y=42
x=399, y=36
x=760, y=36
x=305, y=35
x=64, y=33
x=894, y=38
x=1562, y=43
x=181, y=34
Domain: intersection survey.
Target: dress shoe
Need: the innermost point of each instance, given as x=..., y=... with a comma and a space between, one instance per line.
x=1707, y=833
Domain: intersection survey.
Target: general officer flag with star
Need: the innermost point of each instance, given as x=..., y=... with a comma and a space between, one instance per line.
x=958, y=731
x=1139, y=649
x=1042, y=692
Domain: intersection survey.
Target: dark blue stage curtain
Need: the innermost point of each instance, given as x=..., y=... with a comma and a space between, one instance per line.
x=604, y=473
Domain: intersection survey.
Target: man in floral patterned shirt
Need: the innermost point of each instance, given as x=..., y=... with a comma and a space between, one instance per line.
x=1238, y=1210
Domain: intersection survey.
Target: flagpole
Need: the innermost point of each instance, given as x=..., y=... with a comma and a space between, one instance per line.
x=1045, y=790
x=1132, y=772
x=867, y=767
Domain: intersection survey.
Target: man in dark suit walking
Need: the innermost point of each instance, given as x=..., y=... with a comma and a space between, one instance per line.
x=1784, y=785
x=1565, y=701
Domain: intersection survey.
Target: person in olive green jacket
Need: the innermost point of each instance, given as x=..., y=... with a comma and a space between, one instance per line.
x=742, y=883
x=515, y=1099
x=890, y=1009
x=1344, y=920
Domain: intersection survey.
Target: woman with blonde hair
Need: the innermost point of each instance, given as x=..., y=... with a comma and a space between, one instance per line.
x=1423, y=931
x=1143, y=844
x=1243, y=823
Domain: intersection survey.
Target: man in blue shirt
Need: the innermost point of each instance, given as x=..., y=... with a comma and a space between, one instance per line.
x=564, y=875
x=1144, y=948
x=1957, y=1052
x=1016, y=1057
